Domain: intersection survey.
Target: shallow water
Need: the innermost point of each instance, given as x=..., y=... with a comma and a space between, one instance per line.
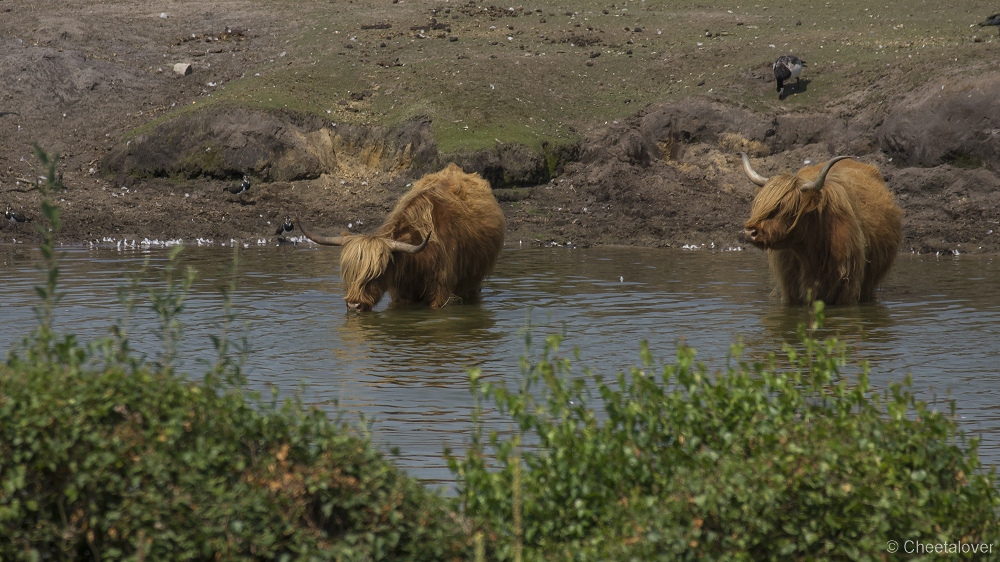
x=406, y=369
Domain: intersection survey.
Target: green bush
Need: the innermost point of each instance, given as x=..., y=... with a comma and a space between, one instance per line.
x=104, y=456
x=113, y=463
x=781, y=460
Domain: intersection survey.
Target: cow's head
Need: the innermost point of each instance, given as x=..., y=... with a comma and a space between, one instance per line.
x=781, y=204
x=366, y=264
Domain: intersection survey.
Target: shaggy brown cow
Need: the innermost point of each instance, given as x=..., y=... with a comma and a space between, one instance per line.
x=439, y=242
x=831, y=233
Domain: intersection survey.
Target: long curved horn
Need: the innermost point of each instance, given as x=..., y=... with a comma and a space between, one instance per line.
x=748, y=170
x=325, y=240
x=817, y=184
x=398, y=246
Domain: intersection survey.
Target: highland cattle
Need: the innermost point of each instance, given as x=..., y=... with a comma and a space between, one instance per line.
x=831, y=231
x=436, y=246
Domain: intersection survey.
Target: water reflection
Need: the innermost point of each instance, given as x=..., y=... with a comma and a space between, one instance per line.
x=866, y=322
x=407, y=368
x=418, y=335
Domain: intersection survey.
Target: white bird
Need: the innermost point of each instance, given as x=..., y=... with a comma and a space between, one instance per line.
x=786, y=68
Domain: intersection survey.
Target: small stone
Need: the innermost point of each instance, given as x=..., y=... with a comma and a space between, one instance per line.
x=183, y=68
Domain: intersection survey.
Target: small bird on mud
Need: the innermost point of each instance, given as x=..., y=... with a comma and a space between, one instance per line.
x=287, y=226
x=15, y=218
x=786, y=68
x=992, y=20
x=240, y=189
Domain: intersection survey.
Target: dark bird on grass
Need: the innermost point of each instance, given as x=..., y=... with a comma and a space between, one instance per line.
x=240, y=189
x=992, y=20
x=15, y=218
x=786, y=68
x=286, y=227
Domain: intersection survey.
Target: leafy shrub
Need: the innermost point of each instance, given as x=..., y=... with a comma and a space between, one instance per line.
x=104, y=456
x=781, y=460
x=114, y=463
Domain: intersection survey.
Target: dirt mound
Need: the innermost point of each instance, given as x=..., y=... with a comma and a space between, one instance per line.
x=508, y=164
x=947, y=209
x=670, y=176
x=948, y=121
x=61, y=81
x=225, y=142
x=66, y=99
x=667, y=176
x=663, y=177
x=663, y=130
x=666, y=130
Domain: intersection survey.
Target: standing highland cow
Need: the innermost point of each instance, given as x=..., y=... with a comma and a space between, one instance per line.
x=831, y=233
x=440, y=242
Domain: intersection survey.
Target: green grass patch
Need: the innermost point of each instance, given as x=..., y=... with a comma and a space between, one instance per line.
x=545, y=66
x=538, y=74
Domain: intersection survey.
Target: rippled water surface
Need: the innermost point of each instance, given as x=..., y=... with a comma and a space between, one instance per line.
x=406, y=369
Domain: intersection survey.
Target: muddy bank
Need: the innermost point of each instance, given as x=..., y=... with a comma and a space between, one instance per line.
x=147, y=153
x=667, y=176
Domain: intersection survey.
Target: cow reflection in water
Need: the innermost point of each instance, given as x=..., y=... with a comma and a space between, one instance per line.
x=831, y=232
x=853, y=324
x=436, y=247
x=443, y=343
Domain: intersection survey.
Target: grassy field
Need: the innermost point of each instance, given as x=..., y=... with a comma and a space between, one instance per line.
x=541, y=72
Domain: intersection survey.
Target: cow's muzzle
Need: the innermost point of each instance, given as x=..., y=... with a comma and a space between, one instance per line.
x=358, y=307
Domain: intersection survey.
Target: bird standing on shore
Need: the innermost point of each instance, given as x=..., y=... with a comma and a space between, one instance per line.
x=15, y=218
x=992, y=20
x=286, y=227
x=239, y=189
x=786, y=68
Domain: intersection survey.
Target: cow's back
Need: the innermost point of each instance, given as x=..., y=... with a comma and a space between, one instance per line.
x=881, y=221
x=466, y=223
x=878, y=216
x=471, y=221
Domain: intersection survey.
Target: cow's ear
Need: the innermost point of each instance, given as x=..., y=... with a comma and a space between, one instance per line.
x=345, y=233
